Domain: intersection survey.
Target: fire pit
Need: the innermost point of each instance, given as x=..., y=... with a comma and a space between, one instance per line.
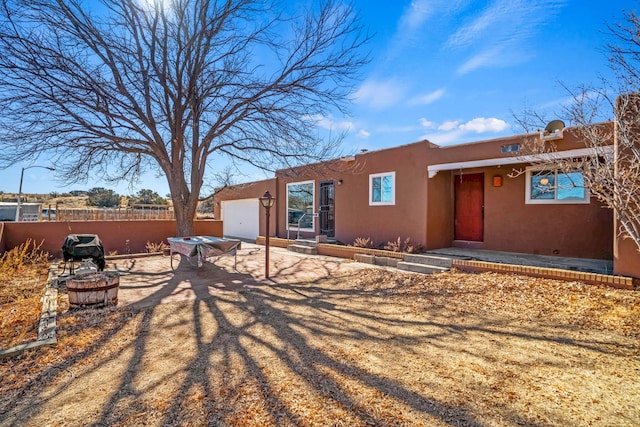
x=77, y=247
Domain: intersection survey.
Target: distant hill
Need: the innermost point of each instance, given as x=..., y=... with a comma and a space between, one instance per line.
x=64, y=202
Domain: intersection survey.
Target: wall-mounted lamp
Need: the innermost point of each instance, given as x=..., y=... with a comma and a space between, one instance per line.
x=497, y=180
x=339, y=182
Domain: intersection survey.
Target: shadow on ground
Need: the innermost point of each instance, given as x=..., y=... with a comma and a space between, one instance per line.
x=312, y=346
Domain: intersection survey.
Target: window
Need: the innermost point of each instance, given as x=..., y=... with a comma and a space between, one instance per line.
x=513, y=148
x=300, y=205
x=549, y=186
x=382, y=189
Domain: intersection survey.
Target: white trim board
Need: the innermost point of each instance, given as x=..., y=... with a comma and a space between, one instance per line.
x=580, y=152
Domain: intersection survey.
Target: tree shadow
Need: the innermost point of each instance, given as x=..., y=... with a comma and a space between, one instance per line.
x=246, y=330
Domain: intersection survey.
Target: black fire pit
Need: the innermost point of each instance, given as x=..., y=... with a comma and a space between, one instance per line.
x=77, y=247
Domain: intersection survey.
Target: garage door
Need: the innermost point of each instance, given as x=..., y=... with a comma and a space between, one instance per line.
x=240, y=218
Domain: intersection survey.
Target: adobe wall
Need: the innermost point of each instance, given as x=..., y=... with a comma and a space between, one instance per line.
x=353, y=215
x=121, y=236
x=570, y=230
x=626, y=260
x=440, y=207
x=492, y=149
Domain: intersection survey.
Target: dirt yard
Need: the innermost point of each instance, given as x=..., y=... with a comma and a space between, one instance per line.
x=352, y=348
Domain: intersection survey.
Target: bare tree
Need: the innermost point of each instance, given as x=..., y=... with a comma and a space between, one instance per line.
x=115, y=88
x=613, y=177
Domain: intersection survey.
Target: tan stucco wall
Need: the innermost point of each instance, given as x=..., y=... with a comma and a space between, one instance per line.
x=405, y=219
x=571, y=230
x=626, y=260
x=424, y=206
x=113, y=234
x=353, y=215
x=491, y=149
x=439, y=219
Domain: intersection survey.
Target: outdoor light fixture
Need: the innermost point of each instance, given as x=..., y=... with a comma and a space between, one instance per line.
x=20, y=189
x=267, y=201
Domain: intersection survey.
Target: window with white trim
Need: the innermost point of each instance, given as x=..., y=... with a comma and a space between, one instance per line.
x=382, y=189
x=300, y=205
x=554, y=186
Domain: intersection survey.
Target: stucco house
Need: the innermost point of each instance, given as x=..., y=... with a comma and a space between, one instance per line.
x=487, y=195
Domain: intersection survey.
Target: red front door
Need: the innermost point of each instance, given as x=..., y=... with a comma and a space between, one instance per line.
x=469, y=207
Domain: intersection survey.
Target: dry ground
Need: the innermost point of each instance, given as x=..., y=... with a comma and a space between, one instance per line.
x=371, y=347
x=23, y=276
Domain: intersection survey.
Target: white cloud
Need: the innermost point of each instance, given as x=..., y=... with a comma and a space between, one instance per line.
x=426, y=123
x=482, y=125
x=415, y=15
x=427, y=98
x=444, y=138
x=417, y=23
x=479, y=60
x=395, y=129
x=454, y=131
x=449, y=125
x=328, y=122
x=497, y=35
x=363, y=134
x=378, y=94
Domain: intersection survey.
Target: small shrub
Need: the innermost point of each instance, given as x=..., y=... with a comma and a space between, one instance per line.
x=363, y=242
x=27, y=254
x=413, y=248
x=156, y=247
x=394, y=246
x=23, y=272
x=404, y=246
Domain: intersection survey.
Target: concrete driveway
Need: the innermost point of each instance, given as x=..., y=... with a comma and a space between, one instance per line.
x=148, y=281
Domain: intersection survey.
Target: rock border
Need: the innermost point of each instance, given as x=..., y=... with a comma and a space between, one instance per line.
x=47, y=326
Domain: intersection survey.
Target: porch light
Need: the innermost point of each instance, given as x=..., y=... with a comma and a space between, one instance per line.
x=267, y=200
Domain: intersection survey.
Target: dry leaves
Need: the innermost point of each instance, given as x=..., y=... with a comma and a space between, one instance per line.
x=375, y=347
x=553, y=301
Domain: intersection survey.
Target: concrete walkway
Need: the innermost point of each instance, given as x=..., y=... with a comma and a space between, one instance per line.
x=150, y=281
x=599, y=266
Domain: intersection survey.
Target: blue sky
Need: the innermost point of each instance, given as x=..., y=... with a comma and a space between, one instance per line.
x=450, y=71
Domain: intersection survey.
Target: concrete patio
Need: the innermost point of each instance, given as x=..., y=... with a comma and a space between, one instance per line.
x=600, y=266
x=149, y=281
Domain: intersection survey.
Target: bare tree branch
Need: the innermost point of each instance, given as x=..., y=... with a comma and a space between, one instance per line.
x=112, y=90
x=613, y=180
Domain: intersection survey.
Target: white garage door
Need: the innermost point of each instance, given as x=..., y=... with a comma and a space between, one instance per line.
x=240, y=218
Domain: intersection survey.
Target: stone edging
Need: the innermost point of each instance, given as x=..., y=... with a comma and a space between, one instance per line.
x=47, y=326
x=619, y=282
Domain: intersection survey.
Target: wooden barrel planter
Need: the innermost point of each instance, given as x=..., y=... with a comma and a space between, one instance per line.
x=93, y=289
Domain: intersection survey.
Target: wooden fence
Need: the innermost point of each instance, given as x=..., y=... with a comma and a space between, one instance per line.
x=117, y=214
